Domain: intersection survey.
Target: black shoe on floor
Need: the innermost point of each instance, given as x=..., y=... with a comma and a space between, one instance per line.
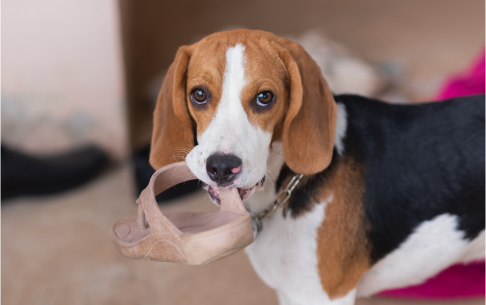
x=144, y=171
x=27, y=175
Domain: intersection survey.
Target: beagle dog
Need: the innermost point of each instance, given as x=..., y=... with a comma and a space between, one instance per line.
x=389, y=195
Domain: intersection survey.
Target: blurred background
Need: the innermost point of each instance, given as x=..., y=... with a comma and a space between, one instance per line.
x=79, y=84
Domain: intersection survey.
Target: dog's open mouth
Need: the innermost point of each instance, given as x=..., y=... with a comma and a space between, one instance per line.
x=244, y=193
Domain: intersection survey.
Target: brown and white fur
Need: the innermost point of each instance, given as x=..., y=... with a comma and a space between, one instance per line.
x=320, y=254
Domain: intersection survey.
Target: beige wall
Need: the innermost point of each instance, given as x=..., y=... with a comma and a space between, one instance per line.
x=62, y=75
x=62, y=81
x=426, y=40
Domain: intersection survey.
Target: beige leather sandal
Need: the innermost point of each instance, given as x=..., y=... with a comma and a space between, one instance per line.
x=187, y=238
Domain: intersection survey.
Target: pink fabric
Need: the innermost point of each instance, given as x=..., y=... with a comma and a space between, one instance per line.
x=458, y=281
x=468, y=83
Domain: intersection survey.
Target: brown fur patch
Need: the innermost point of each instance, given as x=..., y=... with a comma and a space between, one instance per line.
x=342, y=246
x=310, y=123
x=206, y=70
x=264, y=71
x=172, y=123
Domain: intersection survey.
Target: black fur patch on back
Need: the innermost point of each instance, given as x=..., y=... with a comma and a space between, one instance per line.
x=421, y=161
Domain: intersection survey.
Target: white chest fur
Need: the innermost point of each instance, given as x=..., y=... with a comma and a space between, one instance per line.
x=284, y=256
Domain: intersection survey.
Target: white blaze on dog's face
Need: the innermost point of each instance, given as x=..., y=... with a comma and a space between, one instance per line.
x=236, y=115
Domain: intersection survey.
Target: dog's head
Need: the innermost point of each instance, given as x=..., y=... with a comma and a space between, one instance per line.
x=242, y=90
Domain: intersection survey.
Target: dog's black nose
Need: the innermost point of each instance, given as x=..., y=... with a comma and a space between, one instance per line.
x=223, y=168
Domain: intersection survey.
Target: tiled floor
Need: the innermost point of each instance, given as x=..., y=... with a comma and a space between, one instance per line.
x=57, y=250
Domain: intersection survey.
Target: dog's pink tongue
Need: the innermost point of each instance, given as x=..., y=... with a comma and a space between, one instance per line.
x=236, y=169
x=214, y=192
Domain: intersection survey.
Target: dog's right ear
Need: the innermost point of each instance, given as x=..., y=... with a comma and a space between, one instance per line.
x=310, y=123
x=172, y=133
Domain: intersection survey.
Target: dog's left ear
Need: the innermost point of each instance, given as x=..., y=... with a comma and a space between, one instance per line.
x=310, y=124
x=172, y=124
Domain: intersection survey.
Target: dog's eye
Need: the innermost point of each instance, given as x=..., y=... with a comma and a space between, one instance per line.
x=264, y=98
x=199, y=96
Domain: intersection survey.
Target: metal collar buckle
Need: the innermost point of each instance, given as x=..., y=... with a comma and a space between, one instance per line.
x=256, y=218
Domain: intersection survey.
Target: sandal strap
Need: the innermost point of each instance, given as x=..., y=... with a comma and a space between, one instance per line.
x=231, y=201
x=162, y=179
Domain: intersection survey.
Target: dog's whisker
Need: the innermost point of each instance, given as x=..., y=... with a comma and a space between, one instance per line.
x=271, y=181
x=270, y=178
x=269, y=173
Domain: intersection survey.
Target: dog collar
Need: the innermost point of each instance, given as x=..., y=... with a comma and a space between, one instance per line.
x=256, y=219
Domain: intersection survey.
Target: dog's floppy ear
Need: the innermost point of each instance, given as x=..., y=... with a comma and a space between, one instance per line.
x=172, y=131
x=310, y=124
